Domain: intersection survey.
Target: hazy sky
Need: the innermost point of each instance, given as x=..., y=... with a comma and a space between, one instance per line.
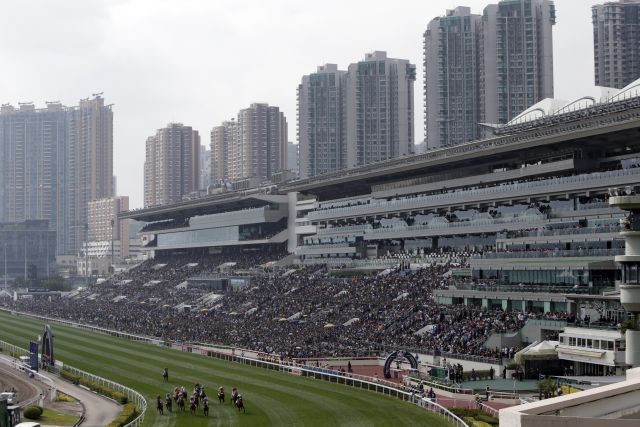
x=198, y=62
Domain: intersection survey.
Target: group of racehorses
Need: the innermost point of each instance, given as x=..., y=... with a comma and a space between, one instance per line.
x=198, y=396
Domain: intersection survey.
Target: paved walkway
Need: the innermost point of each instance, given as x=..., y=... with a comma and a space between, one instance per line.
x=499, y=384
x=99, y=411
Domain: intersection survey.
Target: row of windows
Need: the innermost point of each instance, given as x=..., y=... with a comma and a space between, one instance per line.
x=592, y=343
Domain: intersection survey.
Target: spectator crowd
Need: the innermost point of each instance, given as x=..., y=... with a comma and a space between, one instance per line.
x=301, y=312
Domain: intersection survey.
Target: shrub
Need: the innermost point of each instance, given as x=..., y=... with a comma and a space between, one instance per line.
x=465, y=412
x=512, y=366
x=62, y=397
x=468, y=420
x=129, y=412
x=486, y=418
x=479, y=417
x=32, y=412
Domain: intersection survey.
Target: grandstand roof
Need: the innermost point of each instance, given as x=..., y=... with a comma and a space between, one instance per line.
x=554, y=107
x=204, y=206
x=602, y=123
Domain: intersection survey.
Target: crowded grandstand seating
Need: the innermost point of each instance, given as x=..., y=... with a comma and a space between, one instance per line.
x=301, y=313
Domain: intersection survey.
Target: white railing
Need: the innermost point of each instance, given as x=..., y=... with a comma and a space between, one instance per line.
x=488, y=409
x=347, y=380
x=23, y=367
x=132, y=395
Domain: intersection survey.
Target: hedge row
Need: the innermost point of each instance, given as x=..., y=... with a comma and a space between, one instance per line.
x=480, y=375
x=93, y=386
x=128, y=414
x=475, y=414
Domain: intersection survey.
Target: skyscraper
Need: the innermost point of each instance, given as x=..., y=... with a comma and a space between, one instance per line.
x=205, y=167
x=261, y=145
x=616, y=42
x=32, y=147
x=322, y=135
x=171, y=168
x=517, y=57
x=106, y=231
x=53, y=161
x=293, y=155
x=485, y=69
x=88, y=174
x=223, y=141
x=452, y=78
x=379, y=107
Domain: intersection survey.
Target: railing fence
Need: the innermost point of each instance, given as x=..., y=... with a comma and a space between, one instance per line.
x=131, y=394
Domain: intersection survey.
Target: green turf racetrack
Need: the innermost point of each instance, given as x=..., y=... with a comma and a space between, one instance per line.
x=271, y=398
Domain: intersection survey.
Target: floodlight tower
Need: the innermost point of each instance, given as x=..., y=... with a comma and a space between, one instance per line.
x=628, y=200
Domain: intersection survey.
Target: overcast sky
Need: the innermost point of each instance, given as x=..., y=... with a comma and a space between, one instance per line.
x=198, y=62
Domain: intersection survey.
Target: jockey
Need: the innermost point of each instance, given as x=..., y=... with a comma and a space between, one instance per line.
x=234, y=393
x=220, y=390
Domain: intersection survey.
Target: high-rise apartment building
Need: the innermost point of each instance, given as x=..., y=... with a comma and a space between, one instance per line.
x=53, y=161
x=32, y=147
x=452, y=78
x=254, y=146
x=616, y=42
x=171, y=168
x=293, y=155
x=89, y=172
x=322, y=133
x=106, y=231
x=223, y=141
x=205, y=167
x=379, y=107
x=485, y=69
x=517, y=57
x=261, y=146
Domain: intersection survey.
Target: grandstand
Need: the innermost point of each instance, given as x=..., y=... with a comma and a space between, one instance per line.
x=461, y=252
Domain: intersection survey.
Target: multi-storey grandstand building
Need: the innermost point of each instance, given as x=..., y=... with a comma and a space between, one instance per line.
x=228, y=222
x=529, y=205
x=530, y=201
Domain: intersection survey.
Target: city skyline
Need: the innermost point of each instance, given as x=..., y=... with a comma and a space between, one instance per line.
x=147, y=95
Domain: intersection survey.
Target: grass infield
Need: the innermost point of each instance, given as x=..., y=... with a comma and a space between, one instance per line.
x=271, y=398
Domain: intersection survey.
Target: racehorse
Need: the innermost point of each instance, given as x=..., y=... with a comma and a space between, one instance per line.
x=181, y=403
x=193, y=407
x=159, y=406
x=205, y=408
x=168, y=402
x=221, y=395
x=196, y=401
x=234, y=395
x=240, y=404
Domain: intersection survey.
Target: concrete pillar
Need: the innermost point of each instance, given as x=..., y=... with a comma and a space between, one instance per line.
x=292, y=241
x=547, y=306
x=505, y=304
x=485, y=303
